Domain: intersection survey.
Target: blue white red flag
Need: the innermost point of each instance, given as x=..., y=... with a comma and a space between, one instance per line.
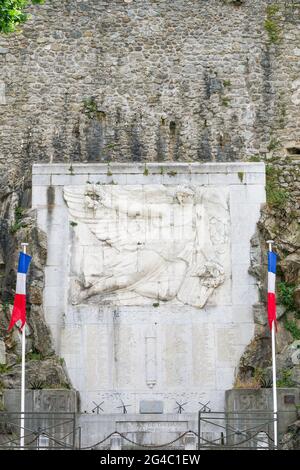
x=272, y=259
x=19, y=309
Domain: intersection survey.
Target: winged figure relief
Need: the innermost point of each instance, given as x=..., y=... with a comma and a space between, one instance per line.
x=158, y=243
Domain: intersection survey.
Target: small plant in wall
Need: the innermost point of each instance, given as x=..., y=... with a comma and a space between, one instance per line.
x=90, y=107
x=19, y=213
x=73, y=224
x=241, y=176
x=271, y=23
x=225, y=101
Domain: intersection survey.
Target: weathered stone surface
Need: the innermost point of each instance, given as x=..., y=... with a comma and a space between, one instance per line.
x=148, y=82
x=291, y=439
x=290, y=356
x=283, y=337
x=256, y=355
x=297, y=297
x=260, y=314
x=46, y=400
x=48, y=373
x=153, y=226
x=2, y=352
x=250, y=400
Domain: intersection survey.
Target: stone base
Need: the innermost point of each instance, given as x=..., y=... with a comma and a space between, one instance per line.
x=144, y=430
x=251, y=400
x=45, y=400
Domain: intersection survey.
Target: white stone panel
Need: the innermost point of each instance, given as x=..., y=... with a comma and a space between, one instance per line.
x=147, y=291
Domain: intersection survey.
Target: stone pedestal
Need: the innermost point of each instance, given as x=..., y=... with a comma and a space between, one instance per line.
x=251, y=407
x=50, y=417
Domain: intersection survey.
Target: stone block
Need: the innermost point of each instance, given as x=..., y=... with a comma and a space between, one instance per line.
x=2, y=352
x=154, y=407
x=261, y=400
x=63, y=401
x=41, y=180
x=2, y=93
x=39, y=196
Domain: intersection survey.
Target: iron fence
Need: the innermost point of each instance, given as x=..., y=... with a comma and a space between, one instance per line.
x=43, y=430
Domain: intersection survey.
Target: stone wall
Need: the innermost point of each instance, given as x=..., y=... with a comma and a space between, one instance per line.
x=149, y=80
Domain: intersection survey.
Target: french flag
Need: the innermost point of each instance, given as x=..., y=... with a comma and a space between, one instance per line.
x=19, y=309
x=272, y=259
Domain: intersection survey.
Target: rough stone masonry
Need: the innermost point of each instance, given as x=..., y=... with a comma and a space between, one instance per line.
x=149, y=80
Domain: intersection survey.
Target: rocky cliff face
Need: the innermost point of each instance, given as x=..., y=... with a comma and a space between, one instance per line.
x=153, y=80
x=279, y=222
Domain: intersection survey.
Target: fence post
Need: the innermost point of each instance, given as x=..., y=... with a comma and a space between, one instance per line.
x=116, y=442
x=190, y=441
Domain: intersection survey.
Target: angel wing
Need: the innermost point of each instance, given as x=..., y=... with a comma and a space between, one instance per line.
x=120, y=216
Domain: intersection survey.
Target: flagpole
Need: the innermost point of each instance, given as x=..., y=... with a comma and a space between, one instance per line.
x=275, y=410
x=22, y=421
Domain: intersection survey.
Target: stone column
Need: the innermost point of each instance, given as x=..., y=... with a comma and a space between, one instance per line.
x=116, y=442
x=190, y=442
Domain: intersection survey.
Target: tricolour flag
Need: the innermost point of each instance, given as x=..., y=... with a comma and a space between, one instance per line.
x=272, y=258
x=19, y=309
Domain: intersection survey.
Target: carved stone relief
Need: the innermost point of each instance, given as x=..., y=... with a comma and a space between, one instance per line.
x=152, y=243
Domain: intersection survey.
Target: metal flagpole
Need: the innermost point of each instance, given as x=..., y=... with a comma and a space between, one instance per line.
x=22, y=421
x=275, y=410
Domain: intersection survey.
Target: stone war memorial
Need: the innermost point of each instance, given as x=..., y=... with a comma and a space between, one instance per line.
x=149, y=150
x=147, y=290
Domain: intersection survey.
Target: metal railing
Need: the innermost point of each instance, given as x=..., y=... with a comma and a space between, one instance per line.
x=251, y=430
x=42, y=430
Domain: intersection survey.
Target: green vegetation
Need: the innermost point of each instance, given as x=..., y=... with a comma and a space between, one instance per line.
x=161, y=170
x=19, y=213
x=155, y=304
x=272, y=9
x=285, y=380
x=146, y=171
x=63, y=385
x=225, y=101
x=34, y=356
x=73, y=224
x=241, y=176
x=4, y=368
x=262, y=377
x=37, y=384
x=12, y=14
x=226, y=83
x=276, y=196
x=292, y=327
x=286, y=295
x=90, y=107
x=71, y=170
x=255, y=158
x=172, y=173
x=273, y=144
x=271, y=23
